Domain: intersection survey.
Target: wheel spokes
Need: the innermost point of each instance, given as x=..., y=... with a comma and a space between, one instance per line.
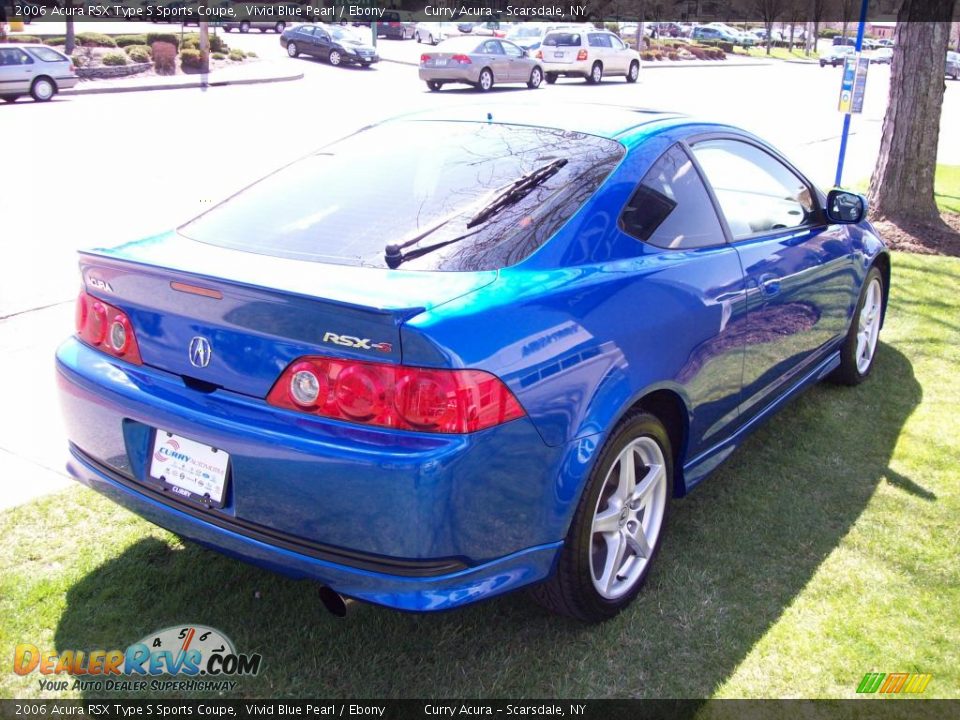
x=616, y=551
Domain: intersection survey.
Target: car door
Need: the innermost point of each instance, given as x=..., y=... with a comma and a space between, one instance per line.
x=520, y=65
x=497, y=60
x=696, y=297
x=599, y=49
x=799, y=270
x=622, y=52
x=322, y=42
x=16, y=71
x=303, y=37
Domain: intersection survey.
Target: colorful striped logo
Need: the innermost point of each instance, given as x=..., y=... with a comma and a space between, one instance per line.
x=910, y=683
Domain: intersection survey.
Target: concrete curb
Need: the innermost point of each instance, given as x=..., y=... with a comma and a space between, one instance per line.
x=185, y=85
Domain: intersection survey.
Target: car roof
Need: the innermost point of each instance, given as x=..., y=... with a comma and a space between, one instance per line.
x=609, y=121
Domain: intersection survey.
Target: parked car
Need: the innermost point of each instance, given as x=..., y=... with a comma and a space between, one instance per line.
x=841, y=40
x=953, y=65
x=881, y=56
x=587, y=54
x=709, y=33
x=479, y=61
x=397, y=25
x=836, y=55
x=333, y=43
x=35, y=69
x=497, y=379
x=529, y=35
x=737, y=36
x=435, y=32
x=276, y=20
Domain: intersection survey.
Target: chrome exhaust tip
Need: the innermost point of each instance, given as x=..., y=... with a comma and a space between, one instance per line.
x=334, y=602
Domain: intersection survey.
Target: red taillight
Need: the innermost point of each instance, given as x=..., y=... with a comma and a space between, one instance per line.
x=395, y=396
x=462, y=60
x=106, y=328
x=424, y=59
x=539, y=54
x=582, y=55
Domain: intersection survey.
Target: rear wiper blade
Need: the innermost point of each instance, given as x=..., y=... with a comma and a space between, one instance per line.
x=508, y=195
x=517, y=190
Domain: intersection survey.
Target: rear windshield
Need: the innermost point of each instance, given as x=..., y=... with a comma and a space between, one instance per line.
x=419, y=184
x=565, y=39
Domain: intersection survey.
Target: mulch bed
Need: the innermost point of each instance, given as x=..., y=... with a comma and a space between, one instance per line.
x=922, y=237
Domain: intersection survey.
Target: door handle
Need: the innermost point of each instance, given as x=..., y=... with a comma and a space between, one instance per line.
x=769, y=284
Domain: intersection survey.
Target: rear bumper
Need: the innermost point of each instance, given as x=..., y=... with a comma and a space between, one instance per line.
x=579, y=68
x=408, y=520
x=469, y=74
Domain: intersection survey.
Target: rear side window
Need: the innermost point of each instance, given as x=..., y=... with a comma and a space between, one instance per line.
x=427, y=186
x=671, y=207
x=562, y=40
x=48, y=55
x=599, y=40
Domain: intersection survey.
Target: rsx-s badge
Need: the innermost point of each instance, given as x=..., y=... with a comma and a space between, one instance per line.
x=354, y=342
x=200, y=352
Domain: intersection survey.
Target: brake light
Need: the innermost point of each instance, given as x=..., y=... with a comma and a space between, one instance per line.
x=462, y=60
x=395, y=396
x=582, y=55
x=499, y=33
x=539, y=54
x=424, y=59
x=106, y=328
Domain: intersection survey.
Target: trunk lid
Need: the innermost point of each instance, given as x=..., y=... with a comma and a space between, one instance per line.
x=258, y=313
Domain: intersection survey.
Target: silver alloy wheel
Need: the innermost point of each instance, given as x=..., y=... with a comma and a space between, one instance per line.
x=628, y=518
x=536, y=77
x=292, y=50
x=486, y=79
x=868, y=328
x=334, y=57
x=596, y=73
x=42, y=90
x=634, y=71
x=244, y=26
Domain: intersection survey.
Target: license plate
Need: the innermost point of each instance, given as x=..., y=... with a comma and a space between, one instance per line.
x=440, y=62
x=190, y=469
x=558, y=55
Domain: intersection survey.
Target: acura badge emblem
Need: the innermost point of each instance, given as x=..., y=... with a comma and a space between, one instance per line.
x=200, y=352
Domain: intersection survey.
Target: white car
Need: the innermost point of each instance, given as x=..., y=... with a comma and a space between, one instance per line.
x=434, y=32
x=35, y=69
x=589, y=54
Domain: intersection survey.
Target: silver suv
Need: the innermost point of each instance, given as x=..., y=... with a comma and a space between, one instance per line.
x=589, y=54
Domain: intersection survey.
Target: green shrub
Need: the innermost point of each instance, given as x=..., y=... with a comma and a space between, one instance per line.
x=218, y=56
x=163, y=37
x=92, y=39
x=237, y=55
x=31, y=39
x=217, y=43
x=55, y=40
x=190, y=58
x=128, y=40
x=139, y=53
x=673, y=56
x=646, y=55
x=111, y=59
x=251, y=54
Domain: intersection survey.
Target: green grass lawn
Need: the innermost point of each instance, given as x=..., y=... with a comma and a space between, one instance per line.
x=780, y=53
x=825, y=548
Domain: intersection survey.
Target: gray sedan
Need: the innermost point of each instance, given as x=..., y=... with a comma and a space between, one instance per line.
x=34, y=69
x=480, y=62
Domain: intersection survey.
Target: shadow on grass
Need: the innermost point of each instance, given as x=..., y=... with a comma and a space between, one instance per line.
x=739, y=550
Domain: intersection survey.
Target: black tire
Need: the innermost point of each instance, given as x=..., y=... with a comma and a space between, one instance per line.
x=335, y=58
x=823, y=63
x=551, y=78
x=434, y=85
x=245, y=26
x=292, y=49
x=596, y=74
x=416, y=36
x=536, y=77
x=485, y=80
x=633, y=72
x=851, y=371
x=571, y=590
x=280, y=27
x=43, y=89
x=11, y=98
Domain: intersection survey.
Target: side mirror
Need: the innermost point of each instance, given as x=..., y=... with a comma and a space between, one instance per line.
x=846, y=207
x=525, y=53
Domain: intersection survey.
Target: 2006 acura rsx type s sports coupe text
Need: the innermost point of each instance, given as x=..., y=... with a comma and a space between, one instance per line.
x=483, y=360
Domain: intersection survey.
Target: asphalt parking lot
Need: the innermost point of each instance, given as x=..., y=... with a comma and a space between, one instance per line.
x=85, y=170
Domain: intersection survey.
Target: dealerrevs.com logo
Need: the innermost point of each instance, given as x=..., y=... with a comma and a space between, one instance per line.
x=198, y=657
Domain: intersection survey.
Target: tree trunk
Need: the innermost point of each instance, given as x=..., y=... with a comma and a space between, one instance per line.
x=204, y=46
x=902, y=181
x=70, y=42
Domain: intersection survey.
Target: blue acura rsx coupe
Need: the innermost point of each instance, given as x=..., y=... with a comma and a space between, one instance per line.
x=485, y=359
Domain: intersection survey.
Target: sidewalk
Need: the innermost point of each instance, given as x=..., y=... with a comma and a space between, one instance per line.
x=263, y=71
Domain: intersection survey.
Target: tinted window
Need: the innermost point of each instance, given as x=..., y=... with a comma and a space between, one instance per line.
x=565, y=39
x=756, y=192
x=671, y=207
x=492, y=47
x=398, y=181
x=14, y=56
x=599, y=40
